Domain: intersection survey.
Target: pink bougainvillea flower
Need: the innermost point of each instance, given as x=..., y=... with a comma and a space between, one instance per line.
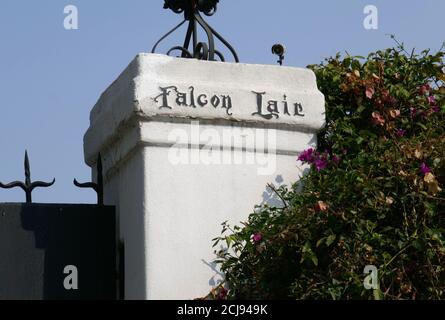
x=424, y=168
x=400, y=132
x=378, y=119
x=413, y=112
x=369, y=92
x=425, y=89
x=320, y=161
x=307, y=156
x=257, y=237
x=336, y=159
x=432, y=101
x=222, y=294
x=435, y=109
x=320, y=164
x=388, y=98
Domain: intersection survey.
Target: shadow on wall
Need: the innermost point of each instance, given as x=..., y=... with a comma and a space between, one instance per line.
x=218, y=276
x=37, y=243
x=270, y=198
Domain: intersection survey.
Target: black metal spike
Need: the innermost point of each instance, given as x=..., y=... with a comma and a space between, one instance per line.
x=99, y=186
x=27, y=186
x=27, y=169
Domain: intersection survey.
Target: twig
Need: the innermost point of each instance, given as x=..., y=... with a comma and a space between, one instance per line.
x=278, y=194
x=398, y=254
x=436, y=198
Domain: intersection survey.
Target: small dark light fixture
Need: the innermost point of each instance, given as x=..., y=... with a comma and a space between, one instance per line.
x=279, y=50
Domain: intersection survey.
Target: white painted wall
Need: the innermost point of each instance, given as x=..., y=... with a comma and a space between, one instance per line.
x=168, y=212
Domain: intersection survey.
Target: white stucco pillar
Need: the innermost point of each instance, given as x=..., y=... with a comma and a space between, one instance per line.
x=187, y=145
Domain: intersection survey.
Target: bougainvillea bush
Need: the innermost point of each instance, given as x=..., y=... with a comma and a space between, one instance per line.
x=374, y=194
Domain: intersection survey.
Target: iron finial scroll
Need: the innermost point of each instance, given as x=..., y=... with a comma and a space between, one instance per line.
x=192, y=13
x=27, y=186
x=99, y=186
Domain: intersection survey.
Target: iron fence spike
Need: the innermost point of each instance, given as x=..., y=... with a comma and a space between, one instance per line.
x=98, y=187
x=28, y=186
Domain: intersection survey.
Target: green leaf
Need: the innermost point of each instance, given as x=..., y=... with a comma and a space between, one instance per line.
x=330, y=240
x=361, y=108
x=319, y=242
x=378, y=294
x=308, y=254
x=314, y=259
x=356, y=65
x=422, y=126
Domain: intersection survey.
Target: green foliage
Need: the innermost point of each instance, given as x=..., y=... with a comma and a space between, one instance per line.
x=373, y=195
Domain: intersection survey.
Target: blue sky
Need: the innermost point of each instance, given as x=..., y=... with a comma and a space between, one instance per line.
x=50, y=77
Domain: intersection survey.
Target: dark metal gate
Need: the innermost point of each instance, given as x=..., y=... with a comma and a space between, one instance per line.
x=57, y=251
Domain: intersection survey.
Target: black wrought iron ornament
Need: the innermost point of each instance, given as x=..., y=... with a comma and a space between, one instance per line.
x=99, y=186
x=27, y=186
x=192, y=13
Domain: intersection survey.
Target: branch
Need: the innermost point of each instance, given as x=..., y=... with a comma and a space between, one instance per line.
x=271, y=186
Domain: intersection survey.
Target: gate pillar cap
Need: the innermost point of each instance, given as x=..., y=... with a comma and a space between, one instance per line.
x=156, y=87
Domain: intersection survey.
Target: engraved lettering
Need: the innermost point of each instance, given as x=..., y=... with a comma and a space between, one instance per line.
x=299, y=110
x=286, y=106
x=227, y=104
x=181, y=99
x=215, y=101
x=202, y=100
x=259, y=101
x=165, y=92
